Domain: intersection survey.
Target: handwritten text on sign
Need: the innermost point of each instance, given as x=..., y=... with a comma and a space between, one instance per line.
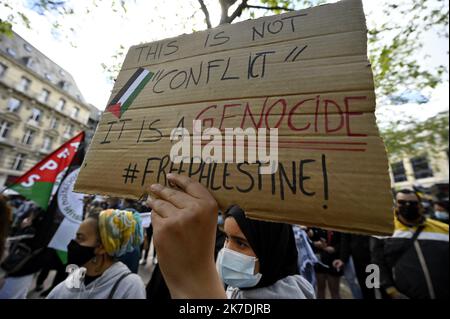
x=305, y=73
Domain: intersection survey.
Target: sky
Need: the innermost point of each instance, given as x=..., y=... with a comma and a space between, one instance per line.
x=100, y=34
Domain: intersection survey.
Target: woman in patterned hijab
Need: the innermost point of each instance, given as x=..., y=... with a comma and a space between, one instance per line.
x=120, y=231
x=93, y=256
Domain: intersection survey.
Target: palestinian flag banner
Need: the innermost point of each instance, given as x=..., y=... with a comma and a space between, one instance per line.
x=67, y=209
x=122, y=101
x=38, y=183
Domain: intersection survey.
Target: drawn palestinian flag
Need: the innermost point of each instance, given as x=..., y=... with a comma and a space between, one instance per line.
x=122, y=101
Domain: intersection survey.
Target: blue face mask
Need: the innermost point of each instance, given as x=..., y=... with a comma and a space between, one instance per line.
x=236, y=269
x=441, y=215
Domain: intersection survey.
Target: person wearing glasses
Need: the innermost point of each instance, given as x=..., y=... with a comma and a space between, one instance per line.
x=414, y=261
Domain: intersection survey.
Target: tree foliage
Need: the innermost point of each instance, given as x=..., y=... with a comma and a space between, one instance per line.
x=408, y=137
x=393, y=45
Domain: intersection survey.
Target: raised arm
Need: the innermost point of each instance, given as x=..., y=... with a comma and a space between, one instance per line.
x=184, y=231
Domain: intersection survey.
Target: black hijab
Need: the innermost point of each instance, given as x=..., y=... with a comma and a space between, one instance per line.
x=273, y=244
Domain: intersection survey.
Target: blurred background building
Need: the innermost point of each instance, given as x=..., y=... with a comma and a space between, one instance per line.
x=40, y=107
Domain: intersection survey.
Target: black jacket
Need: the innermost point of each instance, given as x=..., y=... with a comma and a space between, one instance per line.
x=400, y=263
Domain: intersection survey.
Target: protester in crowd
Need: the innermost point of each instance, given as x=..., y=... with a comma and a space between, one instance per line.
x=145, y=247
x=24, y=210
x=414, y=261
x=113, y=202
x=132, y=257
x=326, y=244
x=53, y=262
x=440, y=211
x=306, y=257
x=14, y=202
x=220, y=234
x=5, y=221
x=26, y=254
x=87, y=203
x=185, y=219
x=101, y=239
x=157, y=290
x=259, y=260
x=358, y=248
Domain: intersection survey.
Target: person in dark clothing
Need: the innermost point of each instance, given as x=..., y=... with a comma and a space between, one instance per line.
x=5, y=220
x=414, y=261
x=326, y=245
x=27, y=256
x=259, y=259
x=220, y=241
x=157, y=289
x=145, y=248
x=358, y=247
x=113, y=202
x=130, y=259
x=53, y=262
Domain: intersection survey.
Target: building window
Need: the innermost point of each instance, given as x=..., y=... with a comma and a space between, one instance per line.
x=64, y=85
x=29, y=62
x=61, y=104
x=54, y=123
x=19, y=162
x=75, y=112
x=69, y=130
x=36, y=115
x=14, y=105
x=47, y=145
x=421, y=167
x=5, y=128
x=48, y=76
x=24, y=84
x=45, y=94
x=28, y=137
x=11, y=52
x=3, y=69
x=27, y=47
x=398, y=170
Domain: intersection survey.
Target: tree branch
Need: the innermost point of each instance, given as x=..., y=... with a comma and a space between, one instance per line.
x=238, y=11
x=206, y=13
x=269, y=8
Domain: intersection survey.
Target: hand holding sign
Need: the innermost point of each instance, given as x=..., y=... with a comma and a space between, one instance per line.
x=184, y=226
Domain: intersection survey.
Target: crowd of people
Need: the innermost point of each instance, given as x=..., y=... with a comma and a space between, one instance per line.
x=206, y=253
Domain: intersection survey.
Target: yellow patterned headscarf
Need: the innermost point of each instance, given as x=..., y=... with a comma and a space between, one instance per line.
x=120, y=231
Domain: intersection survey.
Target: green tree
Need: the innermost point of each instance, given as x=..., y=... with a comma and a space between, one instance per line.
x=394, y=44
x=408, y=137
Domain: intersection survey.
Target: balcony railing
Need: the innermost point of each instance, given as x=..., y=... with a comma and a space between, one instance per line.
x=17, y=142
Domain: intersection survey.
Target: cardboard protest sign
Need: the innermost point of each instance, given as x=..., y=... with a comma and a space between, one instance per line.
x=304, y=73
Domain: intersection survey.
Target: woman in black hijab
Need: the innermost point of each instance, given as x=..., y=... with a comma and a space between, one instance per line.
x=259, y=259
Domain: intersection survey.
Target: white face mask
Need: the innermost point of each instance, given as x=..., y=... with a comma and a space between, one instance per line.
x=236, y=269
